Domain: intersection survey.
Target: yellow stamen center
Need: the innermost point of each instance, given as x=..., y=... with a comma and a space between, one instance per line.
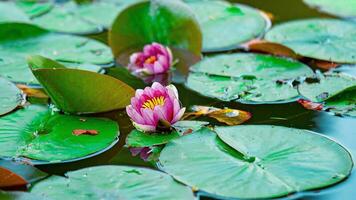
x=152, y=103
x=151, y=60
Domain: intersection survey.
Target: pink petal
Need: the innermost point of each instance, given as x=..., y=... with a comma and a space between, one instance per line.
x=178, y=116
x=134, y=115
x=149, y=117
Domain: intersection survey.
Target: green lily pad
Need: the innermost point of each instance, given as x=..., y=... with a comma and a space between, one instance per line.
x=33, y=8
x=19, y=196
x=9, y=12
x=35, y=132
x=344, y=8
x=171, y=23
x=17, y=41
x=248, y=78
x=80, y=91
x=10, y=96
x=324, y=39
x=115, y=182
x=336, y=91
x=140, y=139
x=225, y=26
x=60, y=19
x=327, y=87
x=256, y=161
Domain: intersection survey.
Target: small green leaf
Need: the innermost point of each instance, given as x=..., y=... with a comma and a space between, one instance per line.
x=140, y=139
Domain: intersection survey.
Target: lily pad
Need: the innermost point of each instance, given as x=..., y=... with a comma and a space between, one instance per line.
x=9, y=12
x=336, y=91
x=79, y=91
x=256, y=161
x=171, y=23
x=327, y=87
x=323, y=39
x=140, y=139
x=226, y=26
x=115, y=182
x=36, y=133
x=188, y=126
x=17, y=41
x=248, y=78
x=344, y=8
x=19, y=196
x=10, y=96
x=34, y=8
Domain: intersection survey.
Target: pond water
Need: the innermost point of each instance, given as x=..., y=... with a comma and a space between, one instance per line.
x=342, y=129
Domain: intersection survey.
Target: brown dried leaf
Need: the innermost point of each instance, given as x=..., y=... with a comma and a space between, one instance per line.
x=264, y=46
x=310, y=105
x=228, y=116
x=31, y=92
x=78, y=132
x=8, y=179
x=325, y=64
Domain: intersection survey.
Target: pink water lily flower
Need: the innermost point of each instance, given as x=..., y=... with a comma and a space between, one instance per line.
x=155, y=59
x=155, y=107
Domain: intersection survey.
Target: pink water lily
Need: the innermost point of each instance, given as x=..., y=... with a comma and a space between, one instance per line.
x=155, y=107
x=155, y=59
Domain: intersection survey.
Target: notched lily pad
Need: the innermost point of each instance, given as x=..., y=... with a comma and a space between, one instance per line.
x=10, y=96
x=248, y=78
x=36, y=133
x=115, y=182
x=79, y=91
x=226, y=26
x=17, y=41
x=255, y=161
x=324, y=39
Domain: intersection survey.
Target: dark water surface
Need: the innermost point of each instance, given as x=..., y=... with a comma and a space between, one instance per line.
x=342, y=129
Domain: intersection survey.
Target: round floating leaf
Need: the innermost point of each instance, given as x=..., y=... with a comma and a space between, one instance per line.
x=10, y=96
x=327, y=87
x=324, y=39
x=79, y=91
x=184, y=127
x=115, y=182
x=33, y=8
x=225, y=26
x=17, y=41
x=140, y=139
x=10, y=13
x=337, y=91
x=344, y=8
x=19, y=196
x=248, y=78
x=167, y=22
x=256, y=161
x=35, y=132
x=60, y=19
